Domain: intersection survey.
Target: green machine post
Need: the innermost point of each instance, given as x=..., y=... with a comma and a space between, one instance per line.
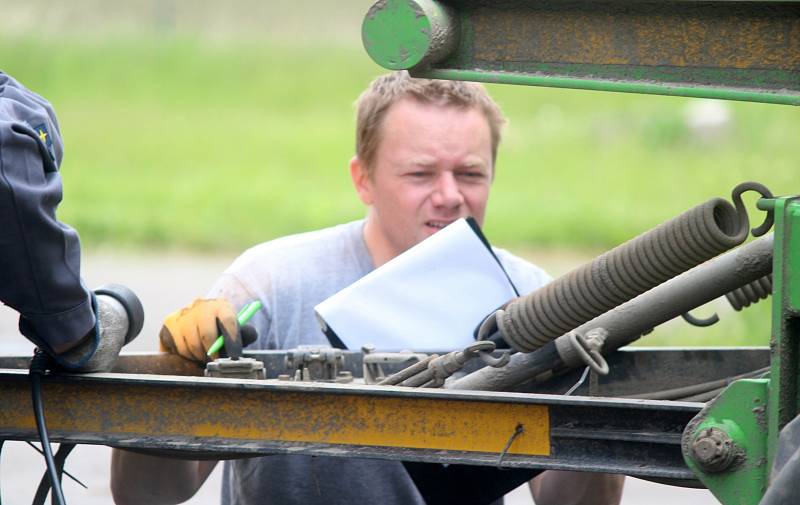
x=731, y=444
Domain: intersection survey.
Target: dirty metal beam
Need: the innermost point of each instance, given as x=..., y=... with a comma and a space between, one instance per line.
x=634, y=370
x=738, y=50
x=219, y=417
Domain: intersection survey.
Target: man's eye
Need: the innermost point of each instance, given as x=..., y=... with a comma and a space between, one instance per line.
x=418, y=175
x=472, y=175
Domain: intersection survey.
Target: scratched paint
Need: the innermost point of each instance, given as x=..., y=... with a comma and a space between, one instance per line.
x=269, y=415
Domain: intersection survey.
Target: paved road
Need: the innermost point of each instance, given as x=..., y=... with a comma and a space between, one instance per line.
x=163, y=283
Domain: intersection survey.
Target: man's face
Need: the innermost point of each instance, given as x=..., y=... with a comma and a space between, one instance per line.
x=433, y=166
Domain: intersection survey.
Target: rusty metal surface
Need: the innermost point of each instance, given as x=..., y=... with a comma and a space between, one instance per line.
x=260, y=417
x=743, y=50
x=743, y=35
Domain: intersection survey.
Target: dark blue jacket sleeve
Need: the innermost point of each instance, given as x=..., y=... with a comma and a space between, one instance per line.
x=39, y=256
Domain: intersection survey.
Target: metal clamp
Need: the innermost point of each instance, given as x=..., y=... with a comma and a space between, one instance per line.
x=434, y=370
x=372, y=362
x=242, y=368
x=576, y=349
x=315, y=363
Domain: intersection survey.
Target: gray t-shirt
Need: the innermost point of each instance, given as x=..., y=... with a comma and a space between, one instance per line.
x=290, y=276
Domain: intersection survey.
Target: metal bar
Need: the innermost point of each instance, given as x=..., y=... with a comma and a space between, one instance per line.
x=748, y=50
x=633, y=370
x=219, y=417
x=549, y=80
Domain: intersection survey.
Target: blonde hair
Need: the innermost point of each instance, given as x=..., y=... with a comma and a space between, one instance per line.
x=374, y=103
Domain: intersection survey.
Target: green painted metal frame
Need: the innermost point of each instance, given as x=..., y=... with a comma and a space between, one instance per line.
x=752, y=412
x=784, y=395
x=744, y=50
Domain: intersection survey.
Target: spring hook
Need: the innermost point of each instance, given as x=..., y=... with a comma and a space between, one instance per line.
x=739, y=298
x=702, y=323
x=741, y=211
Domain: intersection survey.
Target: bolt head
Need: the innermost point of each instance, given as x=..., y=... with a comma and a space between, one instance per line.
x=713, y=450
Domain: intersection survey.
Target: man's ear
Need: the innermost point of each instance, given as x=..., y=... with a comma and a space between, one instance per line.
x=361, y=180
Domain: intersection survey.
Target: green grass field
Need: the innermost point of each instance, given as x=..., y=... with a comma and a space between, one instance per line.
x=181, y=142
x=174, y=142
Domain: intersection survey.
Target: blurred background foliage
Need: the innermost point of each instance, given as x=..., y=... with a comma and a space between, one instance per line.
x=212, y=126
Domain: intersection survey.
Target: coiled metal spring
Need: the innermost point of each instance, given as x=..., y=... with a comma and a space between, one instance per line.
x=628, y=270
x=739, y=298
x=751, y=293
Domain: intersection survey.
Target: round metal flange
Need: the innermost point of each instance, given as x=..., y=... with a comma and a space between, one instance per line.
x=402, y=34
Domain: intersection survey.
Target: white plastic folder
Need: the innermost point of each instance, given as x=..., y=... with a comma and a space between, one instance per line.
x=430, y=298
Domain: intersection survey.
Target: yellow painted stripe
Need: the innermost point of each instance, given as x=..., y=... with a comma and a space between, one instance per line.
x=304, y=417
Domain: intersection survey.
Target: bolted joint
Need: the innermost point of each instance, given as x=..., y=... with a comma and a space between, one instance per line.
x=402, y=34
x=713, y=450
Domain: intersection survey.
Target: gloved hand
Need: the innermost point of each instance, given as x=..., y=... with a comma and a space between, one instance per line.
x=190, y=331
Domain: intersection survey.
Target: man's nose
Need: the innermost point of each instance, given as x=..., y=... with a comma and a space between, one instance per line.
x=447, y=192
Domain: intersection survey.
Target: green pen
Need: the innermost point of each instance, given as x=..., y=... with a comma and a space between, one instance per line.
x=242, y=317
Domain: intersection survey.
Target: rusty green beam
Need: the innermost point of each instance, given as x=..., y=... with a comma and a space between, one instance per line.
x=736, y=50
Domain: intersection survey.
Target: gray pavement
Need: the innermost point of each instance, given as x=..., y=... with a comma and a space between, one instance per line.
x=165, y=282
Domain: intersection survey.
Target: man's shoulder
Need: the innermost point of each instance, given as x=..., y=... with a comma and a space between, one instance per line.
x=303, y=248
x=525, y=275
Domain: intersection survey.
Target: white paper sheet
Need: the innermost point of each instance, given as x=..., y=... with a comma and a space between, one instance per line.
x=429, y=298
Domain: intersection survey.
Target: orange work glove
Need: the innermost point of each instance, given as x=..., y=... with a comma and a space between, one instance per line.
x=190, y=331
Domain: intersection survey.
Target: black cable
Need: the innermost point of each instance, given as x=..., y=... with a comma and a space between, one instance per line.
x=39, y=366
x=44, y=485
x=74, y=479
x=692, y=392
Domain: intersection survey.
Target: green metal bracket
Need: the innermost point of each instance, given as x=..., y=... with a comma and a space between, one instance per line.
x=725, y=445
x=731, y=444
x=716, y=49
x=784, y=401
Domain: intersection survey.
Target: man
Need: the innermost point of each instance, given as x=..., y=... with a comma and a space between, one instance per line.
x=425, y=155
x=39, y=256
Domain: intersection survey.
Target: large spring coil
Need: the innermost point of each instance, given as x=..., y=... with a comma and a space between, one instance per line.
x=751, y=293
x=628, y=270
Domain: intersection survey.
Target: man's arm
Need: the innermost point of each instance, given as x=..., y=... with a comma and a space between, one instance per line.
x=576, y=488
x=138, y=479
x=142, y=479
x=40, y=277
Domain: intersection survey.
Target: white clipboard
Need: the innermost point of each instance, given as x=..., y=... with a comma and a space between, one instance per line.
x=430, y=298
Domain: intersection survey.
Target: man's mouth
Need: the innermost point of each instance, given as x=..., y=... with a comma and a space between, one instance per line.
x=438, y=225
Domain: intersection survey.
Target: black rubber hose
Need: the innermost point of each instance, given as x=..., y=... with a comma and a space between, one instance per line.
x=691, y=390
x=44, y=484
x=39, y=366
x=627, y=271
